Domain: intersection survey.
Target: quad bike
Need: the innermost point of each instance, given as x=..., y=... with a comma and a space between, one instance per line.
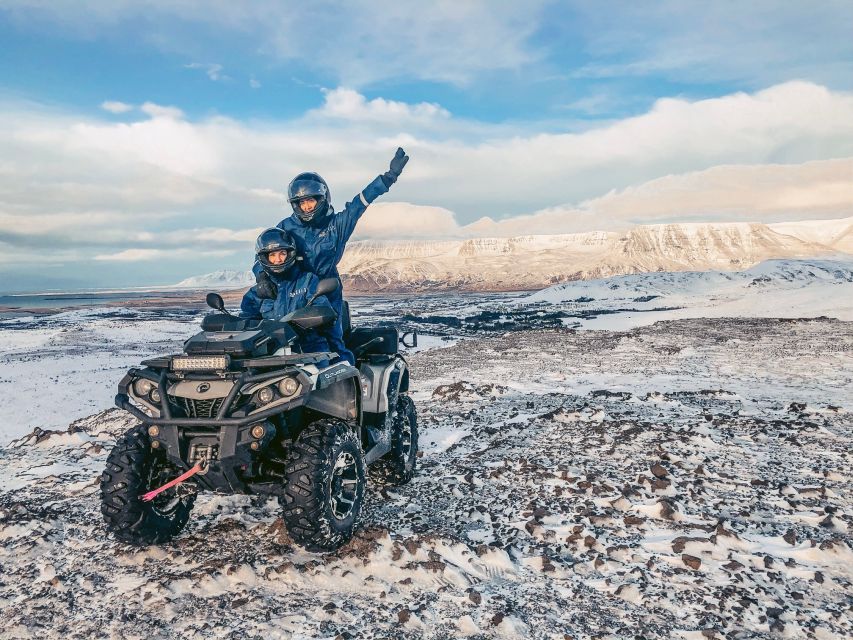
x=240, y=411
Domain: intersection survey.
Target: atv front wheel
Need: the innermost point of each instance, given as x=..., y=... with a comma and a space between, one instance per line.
x=398, y=465
x=133, y=469
x=325, y=486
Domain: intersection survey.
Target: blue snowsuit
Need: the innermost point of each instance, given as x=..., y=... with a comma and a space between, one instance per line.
x=321, y=243
x=295, y=288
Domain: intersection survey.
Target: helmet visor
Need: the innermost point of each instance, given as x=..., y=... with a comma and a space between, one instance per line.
x=306, y=188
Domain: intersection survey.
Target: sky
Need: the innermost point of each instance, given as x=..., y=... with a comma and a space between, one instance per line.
x=145, y=142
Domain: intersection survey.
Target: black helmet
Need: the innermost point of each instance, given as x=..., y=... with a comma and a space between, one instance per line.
x=275, y=239
x=309, y=185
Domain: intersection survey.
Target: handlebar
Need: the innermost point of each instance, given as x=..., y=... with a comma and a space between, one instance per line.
x=224, y=322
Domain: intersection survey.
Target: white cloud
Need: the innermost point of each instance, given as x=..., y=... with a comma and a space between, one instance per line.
x=348, y=104
x=763, y=42
x=812, y=190
x=254, y=83
x=114, y=106
x=166, y=181
x=357, y=42
x=159, y=111
x=133, y=255
x=406, y=220
x=147, y=255
x=213, y=70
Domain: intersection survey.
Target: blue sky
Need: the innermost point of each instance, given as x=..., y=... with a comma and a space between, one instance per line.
x=156, y=137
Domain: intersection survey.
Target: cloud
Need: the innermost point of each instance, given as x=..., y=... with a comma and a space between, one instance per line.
x=254, y=83
x=132, y=255
x=148, y=255
x=213, y=70
x=406, y=220
x=356, y=43
x=348, y=104
x=738, y=193
x=113, y=106
x=694, y=44
x=181, y=186
x=811, y=189
x=767, y=43
x=159, y=111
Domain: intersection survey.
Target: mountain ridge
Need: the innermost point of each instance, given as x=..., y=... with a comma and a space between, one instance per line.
x=533, y=262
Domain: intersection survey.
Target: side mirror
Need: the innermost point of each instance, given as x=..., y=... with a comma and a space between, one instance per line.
x=215, y=301
x=326, y=285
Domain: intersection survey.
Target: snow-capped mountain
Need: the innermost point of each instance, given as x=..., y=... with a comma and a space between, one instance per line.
x=534, y=262
x=538, y=261
x=219, y=280
x=837, y=234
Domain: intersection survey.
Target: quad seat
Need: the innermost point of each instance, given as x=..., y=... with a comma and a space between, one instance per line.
x=356, y=338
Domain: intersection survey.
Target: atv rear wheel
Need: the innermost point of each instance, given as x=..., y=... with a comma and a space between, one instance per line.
x=133, y=469
x=325, y=484
x=398, y=465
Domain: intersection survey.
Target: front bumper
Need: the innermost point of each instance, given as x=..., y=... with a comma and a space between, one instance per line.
x=226, y=440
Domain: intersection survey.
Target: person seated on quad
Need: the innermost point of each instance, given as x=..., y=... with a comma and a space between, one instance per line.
x=321, y=234
x=275, y=251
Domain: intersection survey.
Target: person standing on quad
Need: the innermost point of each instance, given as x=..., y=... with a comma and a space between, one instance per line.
x=321, y=234
x=275, y=252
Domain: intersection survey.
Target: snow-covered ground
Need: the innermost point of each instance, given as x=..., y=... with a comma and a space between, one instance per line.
x=689, y=478
x=686, y=480
x=772, y=289
x=58, y=368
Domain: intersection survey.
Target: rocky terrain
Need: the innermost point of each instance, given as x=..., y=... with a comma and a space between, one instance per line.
x=688, y=479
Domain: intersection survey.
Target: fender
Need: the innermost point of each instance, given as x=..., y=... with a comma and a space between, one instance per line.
x=375, y=379
x=337, y=393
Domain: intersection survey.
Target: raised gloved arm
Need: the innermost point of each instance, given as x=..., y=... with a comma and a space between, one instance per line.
x=397, y=163
x=353, y=210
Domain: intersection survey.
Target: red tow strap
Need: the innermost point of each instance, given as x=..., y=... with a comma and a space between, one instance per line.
x=148, y=497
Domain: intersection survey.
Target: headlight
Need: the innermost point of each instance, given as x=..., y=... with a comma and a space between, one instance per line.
x=155, y=395
x=202, y=363
x=265, y=395
x=143, y=387
x=288, y=387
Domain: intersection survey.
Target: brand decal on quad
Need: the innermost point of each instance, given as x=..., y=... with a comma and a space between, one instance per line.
x=335, y=373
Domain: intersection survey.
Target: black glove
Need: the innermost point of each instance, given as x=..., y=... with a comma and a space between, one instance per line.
x=397, y=163
x=265, y=287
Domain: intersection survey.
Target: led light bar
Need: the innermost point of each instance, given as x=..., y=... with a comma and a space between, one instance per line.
x=200, y=363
